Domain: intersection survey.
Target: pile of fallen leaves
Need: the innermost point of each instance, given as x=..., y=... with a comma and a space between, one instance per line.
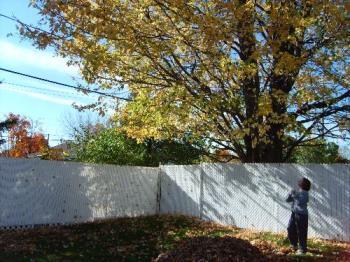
x=157, y=238
x=214, y=249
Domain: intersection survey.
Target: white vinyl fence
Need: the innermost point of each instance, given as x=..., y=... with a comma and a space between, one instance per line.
x=50, y=192
x=253, y=195
x=40, y=192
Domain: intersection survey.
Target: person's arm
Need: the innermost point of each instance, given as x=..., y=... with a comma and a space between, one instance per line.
x=291, y=196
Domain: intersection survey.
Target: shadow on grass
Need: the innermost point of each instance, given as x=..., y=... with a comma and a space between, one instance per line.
x=215, y=249
x=122, y=239
x=177, y=238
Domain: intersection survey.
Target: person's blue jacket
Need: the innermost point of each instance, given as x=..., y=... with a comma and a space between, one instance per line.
x=299, y=201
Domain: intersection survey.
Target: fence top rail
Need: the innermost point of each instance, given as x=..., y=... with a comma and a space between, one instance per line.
x=73, y=163
x=258, y=164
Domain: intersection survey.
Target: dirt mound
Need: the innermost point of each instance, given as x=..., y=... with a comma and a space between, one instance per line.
x=203, y=249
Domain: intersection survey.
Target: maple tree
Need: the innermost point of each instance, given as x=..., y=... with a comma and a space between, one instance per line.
x=22, y=141
x=244, y=75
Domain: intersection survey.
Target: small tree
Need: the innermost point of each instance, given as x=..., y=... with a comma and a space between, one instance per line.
x=111, y=146
x=22, y=138
x=4, y=126
x=320, y=152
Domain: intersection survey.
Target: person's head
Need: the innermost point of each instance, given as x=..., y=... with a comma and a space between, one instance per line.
x=304, y=184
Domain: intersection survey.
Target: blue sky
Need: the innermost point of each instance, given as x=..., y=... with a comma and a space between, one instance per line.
x=46, y=103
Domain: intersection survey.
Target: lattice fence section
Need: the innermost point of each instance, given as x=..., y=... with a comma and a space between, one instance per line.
x=180, y=190
x=253, y=195
x=34, y=192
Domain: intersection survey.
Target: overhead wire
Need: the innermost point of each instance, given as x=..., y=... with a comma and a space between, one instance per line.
x=44, y=91
x=27, y=25
x=63, y=84
x=59, y=137
x=51, y=81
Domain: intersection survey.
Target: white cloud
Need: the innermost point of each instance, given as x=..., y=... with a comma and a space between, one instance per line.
x=35, y=58
x=44, y=97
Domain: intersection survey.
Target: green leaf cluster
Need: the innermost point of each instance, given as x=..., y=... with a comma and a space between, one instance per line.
x=111, y=146
x=321, y=153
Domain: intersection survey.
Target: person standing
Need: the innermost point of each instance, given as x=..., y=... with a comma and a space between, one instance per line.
x=298, y=222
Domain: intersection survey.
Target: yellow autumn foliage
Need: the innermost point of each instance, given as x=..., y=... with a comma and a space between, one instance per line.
x=244, y=74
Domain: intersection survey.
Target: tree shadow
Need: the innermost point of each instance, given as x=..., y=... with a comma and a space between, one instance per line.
x=253, y=195
x=180, y=190
x=216, y=249
x=37, y=192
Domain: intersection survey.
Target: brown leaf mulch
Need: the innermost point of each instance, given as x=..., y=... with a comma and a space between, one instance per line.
x=158, y=238
x=223, y=249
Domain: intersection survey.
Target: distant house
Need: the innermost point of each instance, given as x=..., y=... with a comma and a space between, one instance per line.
x=63, y=151
x=65, y=146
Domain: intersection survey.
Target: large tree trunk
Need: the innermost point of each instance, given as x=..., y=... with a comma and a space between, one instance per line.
x=250, y=85
x=273, y=152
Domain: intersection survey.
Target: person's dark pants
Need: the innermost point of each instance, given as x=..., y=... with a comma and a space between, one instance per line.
x=297, y=230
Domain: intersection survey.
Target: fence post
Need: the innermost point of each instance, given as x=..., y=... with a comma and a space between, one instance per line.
x=159, y=188
x=201, y=191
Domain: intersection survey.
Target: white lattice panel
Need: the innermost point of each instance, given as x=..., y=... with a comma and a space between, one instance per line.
x=249, y=195
x=239, y=195
x=50, y=192
x=180, y=190
x=253, y=195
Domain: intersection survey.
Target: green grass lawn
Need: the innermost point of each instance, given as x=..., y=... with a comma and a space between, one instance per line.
x=177, y=238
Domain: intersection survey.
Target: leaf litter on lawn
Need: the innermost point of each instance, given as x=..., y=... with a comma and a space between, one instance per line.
x=176, y=238
x=214, y=249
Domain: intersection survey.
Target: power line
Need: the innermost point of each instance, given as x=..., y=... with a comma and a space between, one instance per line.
x=10, y=18
x=43, y=91
x=27, y=25
x=50, y=81
x=52, y=91
x=63, y=84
